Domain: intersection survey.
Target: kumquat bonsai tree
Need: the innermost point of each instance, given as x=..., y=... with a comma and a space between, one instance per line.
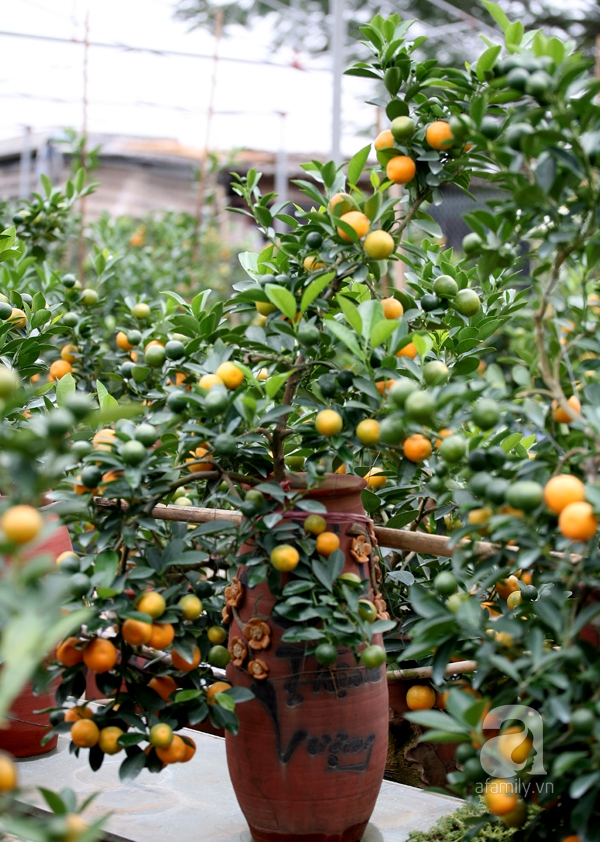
x=457, y=409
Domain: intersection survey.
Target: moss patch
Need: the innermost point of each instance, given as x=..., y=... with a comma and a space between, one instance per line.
x=454, y=828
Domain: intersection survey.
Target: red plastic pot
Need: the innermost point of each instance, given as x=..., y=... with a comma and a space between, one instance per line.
x=308, y=761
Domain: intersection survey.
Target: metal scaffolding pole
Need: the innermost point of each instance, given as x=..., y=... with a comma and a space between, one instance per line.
x=25, y=166
x=338, y=41
x=281, y=170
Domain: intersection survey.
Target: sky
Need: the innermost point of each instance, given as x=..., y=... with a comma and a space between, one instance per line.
x=152, y=95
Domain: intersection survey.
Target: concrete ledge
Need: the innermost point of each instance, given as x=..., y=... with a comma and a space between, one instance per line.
x=195, y=802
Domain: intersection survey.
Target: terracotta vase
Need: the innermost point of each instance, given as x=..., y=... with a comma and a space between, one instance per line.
x=309, y=758
x=22, y=737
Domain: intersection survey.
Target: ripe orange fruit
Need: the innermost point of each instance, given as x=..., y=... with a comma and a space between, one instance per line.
x=216, y=635
x=68, y=554
x=217, y=687
x=562, y=490
x=18, y=319
x=230, y=374
x=58, y=369
x=174, y=753
x=161, y=735
x=161, y=636
x=572, y=838
x=514, y=599
x=104, y=439
x=417, y=448
x=563, y=417
x=392, y=308
x=190, y=749
x=136, y=633
x=327, y=543
x=312, y=263
x=68, y=654
x=375, y=479
x=356, y=220
x=420, y=697
x=152, y=603
x=163, y=685
x=200, y=466
x=21, y=524
x=78, y=712
x=577, y=521
x=315, y=524
x=68, y=352
x=328, y=422
x=191, y=606
x=379, y=245
x=207, y=381
x=180, y=663
x=384, y=140
x=507, y=586
x=343, y=200
x=401, y=169
x=108, y=737
x=500, y=797
x=384, y=386
x=76, y=827
x=8, y=773
x=439, y=135
x=515, y=745
x=409, y=350
x=285, y=557
x=85, y=733
x=100, y=655
x=367, y=431
x=122, y=342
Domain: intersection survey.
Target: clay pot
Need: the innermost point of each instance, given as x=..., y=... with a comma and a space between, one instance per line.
x=22, y=737
x=309, y=758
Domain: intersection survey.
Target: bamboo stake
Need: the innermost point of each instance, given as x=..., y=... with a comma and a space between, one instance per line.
x=457, y=668
x=395, y=539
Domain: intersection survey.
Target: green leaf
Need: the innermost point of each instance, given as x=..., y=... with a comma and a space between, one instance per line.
x=370, y=501
x=275, y=382
x=132, y=766
x=283, y=299
x=106, y=564
x=371, y=312
x=54, y=801
x=566, y=761
x=513, y=35
x=225, y=700
x=509, y=442
x=382, y=331
x=64, y=388
x=423, y=344
x=498, y=15
x=105, y=400
x=345, y=335
x=435, y=719
x=357, y=164
x=350, y=312
x=314, y=290
x=487, y=60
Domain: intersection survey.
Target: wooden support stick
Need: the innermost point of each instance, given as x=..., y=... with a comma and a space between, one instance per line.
x=457, y=668
x=396, y=539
